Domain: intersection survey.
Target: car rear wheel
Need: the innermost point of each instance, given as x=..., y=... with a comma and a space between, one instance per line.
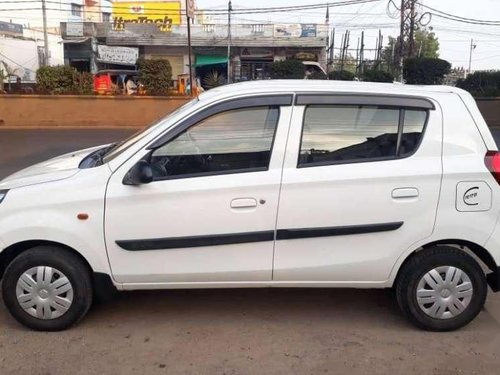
x=47, y=288
x=441, y=289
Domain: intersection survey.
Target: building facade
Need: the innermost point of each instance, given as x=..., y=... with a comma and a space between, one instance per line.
x=254, y=47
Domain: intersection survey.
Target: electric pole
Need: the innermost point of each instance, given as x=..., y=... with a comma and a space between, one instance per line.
x=189, y=15
x=45, y=36
x=229, y=10
x=472, y=48
x=407, y=32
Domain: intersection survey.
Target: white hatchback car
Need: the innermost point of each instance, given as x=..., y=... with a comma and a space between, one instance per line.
x=267, y=184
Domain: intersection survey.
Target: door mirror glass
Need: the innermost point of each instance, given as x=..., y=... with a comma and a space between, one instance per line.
x=140, y=174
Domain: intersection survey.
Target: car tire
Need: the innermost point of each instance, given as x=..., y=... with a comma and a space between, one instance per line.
x=441, y=289
x=47, y=288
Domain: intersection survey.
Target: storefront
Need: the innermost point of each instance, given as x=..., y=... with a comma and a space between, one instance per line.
x=255, y=63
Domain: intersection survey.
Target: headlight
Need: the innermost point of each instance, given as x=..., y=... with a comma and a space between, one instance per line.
x=3, y=194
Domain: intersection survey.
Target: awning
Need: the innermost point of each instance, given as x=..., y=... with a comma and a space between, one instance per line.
x=202, y=60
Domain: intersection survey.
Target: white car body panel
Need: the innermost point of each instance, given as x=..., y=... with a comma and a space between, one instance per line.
x=43, y=202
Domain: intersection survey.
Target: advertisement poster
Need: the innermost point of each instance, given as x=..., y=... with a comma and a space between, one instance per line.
x=160, y=13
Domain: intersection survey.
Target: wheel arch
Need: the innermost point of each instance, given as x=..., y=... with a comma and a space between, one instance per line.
x=103, y=284
x=477, y=251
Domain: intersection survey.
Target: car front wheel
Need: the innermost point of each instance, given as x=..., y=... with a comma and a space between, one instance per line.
x=47, y=288
x=441, y=289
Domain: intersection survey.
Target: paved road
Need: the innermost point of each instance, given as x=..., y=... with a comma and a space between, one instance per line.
x=235, y=331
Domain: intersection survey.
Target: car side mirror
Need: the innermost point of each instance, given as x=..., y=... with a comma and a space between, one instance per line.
x=140, y=174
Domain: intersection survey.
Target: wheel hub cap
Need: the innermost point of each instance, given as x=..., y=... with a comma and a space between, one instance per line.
x=44, y=292
x=444, y=292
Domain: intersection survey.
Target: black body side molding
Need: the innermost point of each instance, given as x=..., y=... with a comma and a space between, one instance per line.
x=249, y=237
x=292, y=234
x=196, y=241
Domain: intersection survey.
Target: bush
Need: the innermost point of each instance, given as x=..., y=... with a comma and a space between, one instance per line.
x=373, y=75
x=317, y=75
x=155, y=75
x=481, y=84
x=425, y=71
x=63, y=79
x=341, y=75
x=287, y=69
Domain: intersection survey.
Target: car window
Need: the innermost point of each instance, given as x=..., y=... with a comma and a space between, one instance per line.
x=338, y=133
x=233, y=141
x=134, y=138
x=335, y=134
x=413, y=129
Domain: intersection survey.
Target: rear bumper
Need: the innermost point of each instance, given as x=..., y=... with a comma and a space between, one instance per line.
x=494, y=280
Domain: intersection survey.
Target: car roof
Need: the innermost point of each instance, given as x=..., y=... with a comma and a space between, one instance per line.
x=324, y=86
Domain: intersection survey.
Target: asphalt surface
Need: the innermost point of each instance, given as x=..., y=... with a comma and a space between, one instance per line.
x=261, y=331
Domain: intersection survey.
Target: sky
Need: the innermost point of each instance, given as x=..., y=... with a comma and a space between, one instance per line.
x=454, y=37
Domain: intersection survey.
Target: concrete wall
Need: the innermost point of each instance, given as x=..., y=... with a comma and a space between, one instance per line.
x=40, y=110
x=490, y=108
x=66, y=110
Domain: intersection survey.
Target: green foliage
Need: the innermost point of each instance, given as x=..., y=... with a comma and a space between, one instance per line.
x=341, y=75
x=213, y=79
x=61, y=79
x=373, y=75
x=482, y=84
x=287, y=69
x=426, y=46
x=84, y=83
x=425, y=71
x=155, y=75
x=317, y=75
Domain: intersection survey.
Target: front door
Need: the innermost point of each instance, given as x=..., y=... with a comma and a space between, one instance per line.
x=359, y=187
x=210, y=213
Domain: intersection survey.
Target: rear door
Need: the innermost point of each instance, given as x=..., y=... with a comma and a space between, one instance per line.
x=359, y=186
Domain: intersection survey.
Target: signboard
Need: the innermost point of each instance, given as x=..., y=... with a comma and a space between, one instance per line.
x=190, y=8
x=74, y=29
x=308, y=30
x=160, y=13
x=287, y=30
x=117, y=55
x=11, y=28
x=294, y=30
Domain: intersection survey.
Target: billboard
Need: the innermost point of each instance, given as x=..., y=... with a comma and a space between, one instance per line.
x=160, y=13
x=117, y=55
x=296, y=30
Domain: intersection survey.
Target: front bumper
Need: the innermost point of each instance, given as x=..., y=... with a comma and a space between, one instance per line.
x=494, y=280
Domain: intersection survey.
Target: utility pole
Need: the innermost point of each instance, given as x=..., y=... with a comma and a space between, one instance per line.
x=189, y=14
x=472, y=48
x=407, y=32
x=229, y=10
x=362, y=54
x=45, y=36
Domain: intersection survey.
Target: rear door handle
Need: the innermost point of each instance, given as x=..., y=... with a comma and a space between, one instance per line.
x=244, y=203
x=402, y=193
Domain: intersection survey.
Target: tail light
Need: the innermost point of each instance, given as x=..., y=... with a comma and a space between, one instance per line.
x=492, y=161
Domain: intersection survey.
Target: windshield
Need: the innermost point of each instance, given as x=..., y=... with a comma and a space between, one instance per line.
x=120, y=147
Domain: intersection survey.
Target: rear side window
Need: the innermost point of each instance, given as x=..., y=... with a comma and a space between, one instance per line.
x=336, y=134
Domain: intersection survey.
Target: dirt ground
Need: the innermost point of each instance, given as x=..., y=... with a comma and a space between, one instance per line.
x=248, y=331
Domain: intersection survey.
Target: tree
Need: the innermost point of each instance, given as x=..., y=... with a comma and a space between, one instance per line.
x=155, y=75
x=425, y=71
x=374, y=75
x=287, y=69
x=426, y=45
x=481, y=84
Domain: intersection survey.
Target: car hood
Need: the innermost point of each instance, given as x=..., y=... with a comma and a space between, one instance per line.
x=58, y=168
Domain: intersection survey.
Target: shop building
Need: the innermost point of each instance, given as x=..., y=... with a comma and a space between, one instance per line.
x=253, y=46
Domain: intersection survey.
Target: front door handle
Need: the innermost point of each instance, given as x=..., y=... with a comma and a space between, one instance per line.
x=402, y=193
x=244, y=203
